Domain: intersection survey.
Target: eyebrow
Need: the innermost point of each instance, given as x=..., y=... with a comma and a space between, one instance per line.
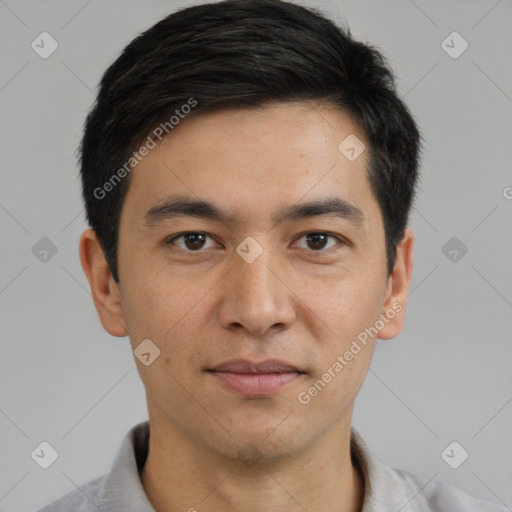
x=182, y=206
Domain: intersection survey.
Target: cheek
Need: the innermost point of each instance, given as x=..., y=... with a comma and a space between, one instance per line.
x=176, y=322
x=349, y=311
x=346, y=307
x=347, y=352
x=164, y=318
x=157, y=304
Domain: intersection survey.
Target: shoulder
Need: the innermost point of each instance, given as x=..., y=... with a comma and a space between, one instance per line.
x=120, y=489
x=437, y=496
x=391, y=489
x=87, y=498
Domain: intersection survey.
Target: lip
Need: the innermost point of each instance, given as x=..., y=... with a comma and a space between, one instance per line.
x=252, y=378
x=246, y=366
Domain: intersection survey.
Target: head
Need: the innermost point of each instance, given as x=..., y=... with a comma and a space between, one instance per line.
x=277, y=125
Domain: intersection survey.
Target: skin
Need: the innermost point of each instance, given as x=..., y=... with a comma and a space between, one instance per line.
x=293, y=303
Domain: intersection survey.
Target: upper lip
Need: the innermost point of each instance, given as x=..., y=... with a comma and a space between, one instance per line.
x=246, y=366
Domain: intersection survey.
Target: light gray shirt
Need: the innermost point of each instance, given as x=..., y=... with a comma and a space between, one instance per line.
x=386, y=489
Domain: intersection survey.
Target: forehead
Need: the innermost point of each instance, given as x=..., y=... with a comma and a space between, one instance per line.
x=256, y=160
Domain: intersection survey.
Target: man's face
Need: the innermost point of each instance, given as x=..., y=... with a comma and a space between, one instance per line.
x=212, y=297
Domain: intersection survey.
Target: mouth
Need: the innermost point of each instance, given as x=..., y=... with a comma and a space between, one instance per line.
x=256, y=378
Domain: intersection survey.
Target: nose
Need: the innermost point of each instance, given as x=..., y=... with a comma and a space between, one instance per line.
x=256, y=297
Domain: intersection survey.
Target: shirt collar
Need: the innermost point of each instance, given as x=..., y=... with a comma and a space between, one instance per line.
x=124, y=491
x=123, y=488
x=384, y=487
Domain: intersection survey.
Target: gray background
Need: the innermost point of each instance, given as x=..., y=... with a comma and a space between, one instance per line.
x=446, y=377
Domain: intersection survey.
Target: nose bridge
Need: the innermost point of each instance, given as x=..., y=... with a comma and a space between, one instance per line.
x=256, y=279
x=256, y=298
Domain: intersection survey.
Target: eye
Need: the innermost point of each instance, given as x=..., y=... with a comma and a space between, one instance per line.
x=318, y=240
x=193, y=241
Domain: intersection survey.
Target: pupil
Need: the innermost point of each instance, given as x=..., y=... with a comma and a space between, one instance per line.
x=316, y=237
x=194, y=240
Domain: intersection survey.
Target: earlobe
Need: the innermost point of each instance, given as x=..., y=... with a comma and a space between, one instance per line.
x=393, y=311
x=104, y=290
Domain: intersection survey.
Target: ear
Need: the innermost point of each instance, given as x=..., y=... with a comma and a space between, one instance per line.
x=393, y=311
x=105, y=292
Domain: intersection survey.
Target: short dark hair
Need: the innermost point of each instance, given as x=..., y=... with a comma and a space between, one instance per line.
x=244, y=54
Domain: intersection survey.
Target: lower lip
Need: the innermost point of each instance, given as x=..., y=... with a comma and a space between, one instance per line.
x=255, y=384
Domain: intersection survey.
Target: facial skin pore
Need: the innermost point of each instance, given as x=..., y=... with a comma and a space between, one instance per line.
x=302, y=301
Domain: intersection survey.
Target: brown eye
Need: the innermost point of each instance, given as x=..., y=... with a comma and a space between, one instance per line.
x=192, y=241
x=318, y=240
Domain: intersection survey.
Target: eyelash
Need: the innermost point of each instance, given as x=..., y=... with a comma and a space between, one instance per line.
x=341, y=241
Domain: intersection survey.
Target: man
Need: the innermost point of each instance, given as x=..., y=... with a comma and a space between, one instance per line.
x=248, y=172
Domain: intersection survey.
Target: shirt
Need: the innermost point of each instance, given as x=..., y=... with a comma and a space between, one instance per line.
x=386, y=489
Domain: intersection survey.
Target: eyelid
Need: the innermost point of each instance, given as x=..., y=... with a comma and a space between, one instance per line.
x=170, y=240
x=341, y=240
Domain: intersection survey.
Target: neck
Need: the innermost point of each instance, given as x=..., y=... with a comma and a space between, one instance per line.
x=181, y=474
